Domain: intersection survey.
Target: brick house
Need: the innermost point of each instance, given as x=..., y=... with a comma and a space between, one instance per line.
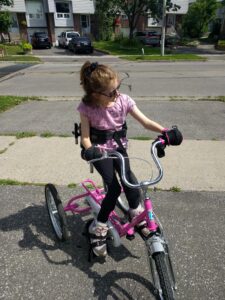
x=173, y=20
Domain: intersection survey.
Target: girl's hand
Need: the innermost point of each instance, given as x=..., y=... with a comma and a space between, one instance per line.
x=92, y=153
x=172, y=137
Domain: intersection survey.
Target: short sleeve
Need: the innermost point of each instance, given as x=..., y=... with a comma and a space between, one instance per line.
x=82, y=108
x=130, y=104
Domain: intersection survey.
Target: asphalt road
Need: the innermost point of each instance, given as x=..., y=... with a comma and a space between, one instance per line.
x=12, y=68
x=146, y=80
x=35, y=266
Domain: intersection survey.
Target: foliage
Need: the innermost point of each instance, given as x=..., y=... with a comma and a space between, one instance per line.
x=129, y=51
x=11, y=49
x=174, y=57
x=7, y=102
x=221, y=42
x=26, y=47
x=125, y=48
x=133, y=9
x=199, y=15
x=215, y=28
x=16, y=53
x=6, y=3
x=221, y=45
x=129, y=43
x=104, y=21
x=5, y=23
x=21, y=58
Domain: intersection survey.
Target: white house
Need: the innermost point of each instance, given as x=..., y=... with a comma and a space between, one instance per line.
x=51, y=16
x=172, y=17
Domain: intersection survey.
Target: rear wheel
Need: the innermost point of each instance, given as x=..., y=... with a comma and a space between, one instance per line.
x=164, y=278
x=56, y=213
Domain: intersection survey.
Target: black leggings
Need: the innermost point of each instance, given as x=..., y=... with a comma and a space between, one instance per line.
x=107, y=169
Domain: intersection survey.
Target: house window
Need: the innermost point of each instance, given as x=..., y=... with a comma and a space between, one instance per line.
x=84, y=21
x=14, y=21
x=35, y=10
x=124, y=17
x=62, y=10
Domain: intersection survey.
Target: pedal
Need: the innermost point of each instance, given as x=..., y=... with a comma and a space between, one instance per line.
x=130, y=237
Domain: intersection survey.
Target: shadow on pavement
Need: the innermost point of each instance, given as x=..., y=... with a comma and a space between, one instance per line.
x=76, y=250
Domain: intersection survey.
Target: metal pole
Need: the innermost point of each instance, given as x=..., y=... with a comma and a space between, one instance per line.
x=163, y=29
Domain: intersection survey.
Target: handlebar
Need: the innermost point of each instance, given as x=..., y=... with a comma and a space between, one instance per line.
x=145, y=183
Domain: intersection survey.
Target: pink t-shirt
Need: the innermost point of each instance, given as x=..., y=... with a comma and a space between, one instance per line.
x=109, y=118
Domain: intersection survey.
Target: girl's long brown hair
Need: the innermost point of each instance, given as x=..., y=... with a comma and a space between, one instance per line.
x=95, y=78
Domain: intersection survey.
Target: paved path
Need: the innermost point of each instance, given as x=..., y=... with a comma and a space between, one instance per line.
x=192, y=166
x=34, y=266
x=196, y=165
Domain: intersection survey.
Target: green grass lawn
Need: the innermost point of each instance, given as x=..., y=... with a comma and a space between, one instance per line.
x=135, y=52
x=22, y=58
x=15, y=53
x=12, y=49
x=7, y=102
x=167, y=57
x=117, y=48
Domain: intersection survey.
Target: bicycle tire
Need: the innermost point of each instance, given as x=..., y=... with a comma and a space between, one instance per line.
x=56, y=213
x=164, y=279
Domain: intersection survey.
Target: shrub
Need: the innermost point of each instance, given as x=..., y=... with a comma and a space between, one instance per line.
x=220, y=45
x=26, y=47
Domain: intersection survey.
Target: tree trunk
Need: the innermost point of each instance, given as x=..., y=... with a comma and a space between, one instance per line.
x=222, y=28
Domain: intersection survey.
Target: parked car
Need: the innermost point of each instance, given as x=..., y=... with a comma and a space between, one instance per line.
x=65, y=37
x=148, y=37
x=40, y=40
x=81, y=44
x=172, y=40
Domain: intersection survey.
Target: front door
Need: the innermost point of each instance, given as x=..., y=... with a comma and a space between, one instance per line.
x=85, y=24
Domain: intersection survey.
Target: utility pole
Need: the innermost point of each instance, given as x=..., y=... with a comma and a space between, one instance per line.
x=163, y=29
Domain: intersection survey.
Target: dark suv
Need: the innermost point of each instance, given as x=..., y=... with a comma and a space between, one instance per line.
x=40, y=40
x=80, y=44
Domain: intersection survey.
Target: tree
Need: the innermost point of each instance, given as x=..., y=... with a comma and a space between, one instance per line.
x=6, y=3
x=5, y=19
x=222, y=28
x=199, y=15
x=134, y=9
x=104, y=20
x=5, y=23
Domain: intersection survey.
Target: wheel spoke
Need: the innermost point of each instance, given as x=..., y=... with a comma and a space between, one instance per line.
x=56, y=212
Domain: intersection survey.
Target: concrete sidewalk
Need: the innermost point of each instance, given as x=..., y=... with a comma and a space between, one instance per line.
x=195, y=165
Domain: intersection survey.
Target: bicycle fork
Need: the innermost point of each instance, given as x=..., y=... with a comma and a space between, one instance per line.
x=156, y=244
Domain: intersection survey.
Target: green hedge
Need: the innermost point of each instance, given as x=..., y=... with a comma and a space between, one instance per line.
x=220, y=45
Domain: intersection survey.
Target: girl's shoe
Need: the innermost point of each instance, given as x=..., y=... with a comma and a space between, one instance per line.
x=97, y=234
x=142, y=226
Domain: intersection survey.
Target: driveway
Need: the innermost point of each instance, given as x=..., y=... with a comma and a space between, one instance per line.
x=61, y=52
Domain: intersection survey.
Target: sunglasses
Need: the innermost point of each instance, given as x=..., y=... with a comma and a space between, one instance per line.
x=111, y=94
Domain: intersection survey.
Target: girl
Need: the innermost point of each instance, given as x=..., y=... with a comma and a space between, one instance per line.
x=103, y=112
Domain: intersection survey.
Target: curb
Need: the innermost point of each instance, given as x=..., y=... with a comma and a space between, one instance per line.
x=138, y=98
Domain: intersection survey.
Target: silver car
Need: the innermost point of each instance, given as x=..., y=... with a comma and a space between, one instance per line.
x=65, y=37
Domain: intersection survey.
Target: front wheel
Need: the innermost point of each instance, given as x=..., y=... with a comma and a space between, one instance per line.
x=56, y=213
x=164, y=279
